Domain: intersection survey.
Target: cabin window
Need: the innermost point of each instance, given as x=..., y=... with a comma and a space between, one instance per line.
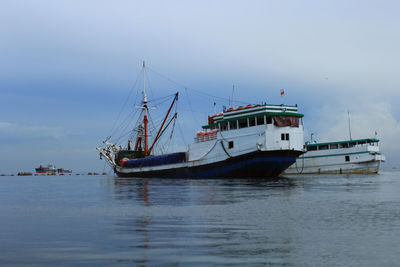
x=260, y=120
x=223, y=126
x=269, y=120
x=323, y=147
x=230, y=144
x=311, y=148
x=334, y=146
x=285, y=137
x=344, y=145
x=372, y=143
x=233, y=125
x=252, y=122
x=347, y=158
x=242, y=123
x=283, y=121
x=351, y=144
x=361, y=142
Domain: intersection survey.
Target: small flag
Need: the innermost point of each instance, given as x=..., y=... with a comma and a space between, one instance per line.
x=282, y=92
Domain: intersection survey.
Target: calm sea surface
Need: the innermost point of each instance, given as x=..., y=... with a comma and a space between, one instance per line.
x=330, y=220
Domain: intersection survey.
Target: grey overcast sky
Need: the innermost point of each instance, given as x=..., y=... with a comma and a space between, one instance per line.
x=66, y=68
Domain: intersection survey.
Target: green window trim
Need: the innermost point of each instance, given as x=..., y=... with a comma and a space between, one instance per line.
x=371, y=140
x=227, y=113
x=255, y=115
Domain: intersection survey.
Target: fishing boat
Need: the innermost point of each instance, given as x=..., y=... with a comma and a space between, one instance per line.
x=49, y=169
x=361, y=156
x=62, y=170
x=259, y=140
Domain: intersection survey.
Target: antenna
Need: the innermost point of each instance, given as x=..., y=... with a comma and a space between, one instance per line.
x=348, y=115
x=215, y=108
x=144, y=84
x=233, y=91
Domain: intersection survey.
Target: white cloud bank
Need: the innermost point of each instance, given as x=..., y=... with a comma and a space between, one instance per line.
x=23, y=132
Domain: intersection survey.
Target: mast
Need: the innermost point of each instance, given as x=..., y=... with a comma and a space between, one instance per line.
x=145, y=109
x=162, y=125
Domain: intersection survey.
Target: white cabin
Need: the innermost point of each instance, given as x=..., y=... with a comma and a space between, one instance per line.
x=250, y=128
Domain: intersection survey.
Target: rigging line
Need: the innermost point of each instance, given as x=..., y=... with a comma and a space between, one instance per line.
x=170, y=146
x=148, y=85
x=196, y=111
x=152, y=123
x=160, y=103
x=131, y=114
x=124, y=135
x=190, y=106
x=128, y=117
x=195, y=90
x=181, y=132
x=127, y=125
x=174, y=124
x=161, y=98
x=159, y=135
x=176, y=118
x=124, y=124
x=173, y=128
x=126, y=101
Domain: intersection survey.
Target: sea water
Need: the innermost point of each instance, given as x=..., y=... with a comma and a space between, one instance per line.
x=321, y=220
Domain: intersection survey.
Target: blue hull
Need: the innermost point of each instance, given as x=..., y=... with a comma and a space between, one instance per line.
x=260, y=164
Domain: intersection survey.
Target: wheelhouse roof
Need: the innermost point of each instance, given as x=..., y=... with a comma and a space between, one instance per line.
x=367, y=140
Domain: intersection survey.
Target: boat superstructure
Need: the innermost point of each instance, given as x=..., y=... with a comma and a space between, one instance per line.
x=248, y=141
x=349, y=156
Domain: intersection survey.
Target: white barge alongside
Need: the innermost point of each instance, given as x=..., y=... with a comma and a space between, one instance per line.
x=361, y=156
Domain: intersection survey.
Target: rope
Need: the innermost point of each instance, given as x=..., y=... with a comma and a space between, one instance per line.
x=216, y=141
x=194, y=90
x=190, y=106
x=223, y=147
x=302, y=167
x=123, y=106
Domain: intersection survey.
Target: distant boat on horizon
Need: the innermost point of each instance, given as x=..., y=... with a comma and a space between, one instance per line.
x=49, y=169
x=62, y=170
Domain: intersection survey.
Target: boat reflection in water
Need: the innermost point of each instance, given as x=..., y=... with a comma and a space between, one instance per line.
x=201, y=221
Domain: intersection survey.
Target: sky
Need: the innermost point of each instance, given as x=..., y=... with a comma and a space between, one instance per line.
x=67, y=67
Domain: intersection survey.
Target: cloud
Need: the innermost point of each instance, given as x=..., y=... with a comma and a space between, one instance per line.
x=11, y=132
